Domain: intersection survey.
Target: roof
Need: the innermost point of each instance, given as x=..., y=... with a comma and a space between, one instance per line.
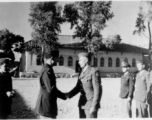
x=122, y=47
x=68, y=42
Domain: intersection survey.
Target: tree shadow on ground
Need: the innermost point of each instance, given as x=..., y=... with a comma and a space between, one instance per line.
x=20, y=110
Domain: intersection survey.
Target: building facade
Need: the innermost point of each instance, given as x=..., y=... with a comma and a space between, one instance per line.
x=107, y=61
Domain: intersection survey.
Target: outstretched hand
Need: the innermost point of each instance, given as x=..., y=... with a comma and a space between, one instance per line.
x=14, y=69
x=67, y=95
x=10, y=93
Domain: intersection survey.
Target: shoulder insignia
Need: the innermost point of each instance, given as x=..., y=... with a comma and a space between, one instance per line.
x=97, y=73
x=97, y=80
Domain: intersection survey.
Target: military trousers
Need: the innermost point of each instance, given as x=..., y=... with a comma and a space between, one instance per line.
x=3, y=116
x=141, y=110
x=85, y=113
x=126, y=108
x=150, y=110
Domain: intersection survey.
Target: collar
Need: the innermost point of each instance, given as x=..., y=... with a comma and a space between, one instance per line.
x=127, y=73
x=141, y=73
x=87, y=71
x=47, y=65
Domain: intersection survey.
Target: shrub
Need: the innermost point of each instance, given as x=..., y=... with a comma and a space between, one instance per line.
x=30, y=75
x=113, y=75
x=62, y=75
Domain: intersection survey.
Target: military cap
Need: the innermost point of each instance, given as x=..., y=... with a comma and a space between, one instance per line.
x=4, y=60
x=125, y=64
x=140, y=62
x=50, y=54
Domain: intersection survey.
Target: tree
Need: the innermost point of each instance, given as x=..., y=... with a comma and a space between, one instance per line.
x=10, y=42
x=143, y=23
x=89, y=18
x=111, y=41
x=45, y=19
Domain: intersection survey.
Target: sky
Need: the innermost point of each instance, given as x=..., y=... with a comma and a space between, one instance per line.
x=14, y=17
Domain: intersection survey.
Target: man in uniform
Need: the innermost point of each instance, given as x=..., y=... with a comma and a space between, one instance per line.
x=141, y=90
x=6, y=92
x=89, y=85
x=126, y=91
x=46, y=105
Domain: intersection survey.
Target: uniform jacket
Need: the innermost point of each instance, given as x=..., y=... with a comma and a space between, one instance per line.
x=141, y=86
x=5, y=101
x=89, y=85
x=127, y=86
x=47, y=99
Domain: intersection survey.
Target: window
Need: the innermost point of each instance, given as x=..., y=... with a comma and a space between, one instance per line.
x=38, y=60
x=126, y=60
x=95, y=62
x=61, y=61
x=102, y=62
x=133, y=62
x=70, y=61
x=110, y=62
x=117, y=62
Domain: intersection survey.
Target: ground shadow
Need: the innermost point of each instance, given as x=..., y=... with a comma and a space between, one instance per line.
x=20, y=110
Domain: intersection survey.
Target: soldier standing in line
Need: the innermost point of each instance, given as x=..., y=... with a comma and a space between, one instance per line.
x=141, y=90
x=46, y=105
x=126, y=91
x=149, y=97
x=89, y=85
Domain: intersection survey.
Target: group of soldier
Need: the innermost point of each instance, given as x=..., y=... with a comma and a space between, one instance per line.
x=136, y=87
x=133, y=87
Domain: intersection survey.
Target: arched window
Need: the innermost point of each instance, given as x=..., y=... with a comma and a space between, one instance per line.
x=70, y=61
x=38, y=60
x=126, y=60
x=110, y=62
x=102, y=62
x=117, y=62
x=133, y=62
x=95, y=62
x=61, y=61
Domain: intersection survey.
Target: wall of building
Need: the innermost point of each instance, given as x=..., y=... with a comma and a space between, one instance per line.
x=114, y=56
x=65, y=53
x=31, y=63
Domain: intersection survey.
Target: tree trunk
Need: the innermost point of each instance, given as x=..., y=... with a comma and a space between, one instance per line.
x=42, y=57
x=150, y=46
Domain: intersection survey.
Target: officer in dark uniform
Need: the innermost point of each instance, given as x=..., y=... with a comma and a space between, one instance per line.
x=89, y=85
x=141, y=90
x=46, y=105
x=126, y=91
x=6, y=92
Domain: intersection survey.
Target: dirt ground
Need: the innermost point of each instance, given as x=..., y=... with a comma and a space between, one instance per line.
x=27, y=92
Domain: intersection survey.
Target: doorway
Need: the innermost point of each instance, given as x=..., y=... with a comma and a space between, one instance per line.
x=77, y=67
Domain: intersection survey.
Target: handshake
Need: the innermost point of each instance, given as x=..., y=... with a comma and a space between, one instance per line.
x=10, y=93
x=67, y=95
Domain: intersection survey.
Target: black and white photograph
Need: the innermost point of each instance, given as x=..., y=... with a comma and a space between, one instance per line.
x=75, y=59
